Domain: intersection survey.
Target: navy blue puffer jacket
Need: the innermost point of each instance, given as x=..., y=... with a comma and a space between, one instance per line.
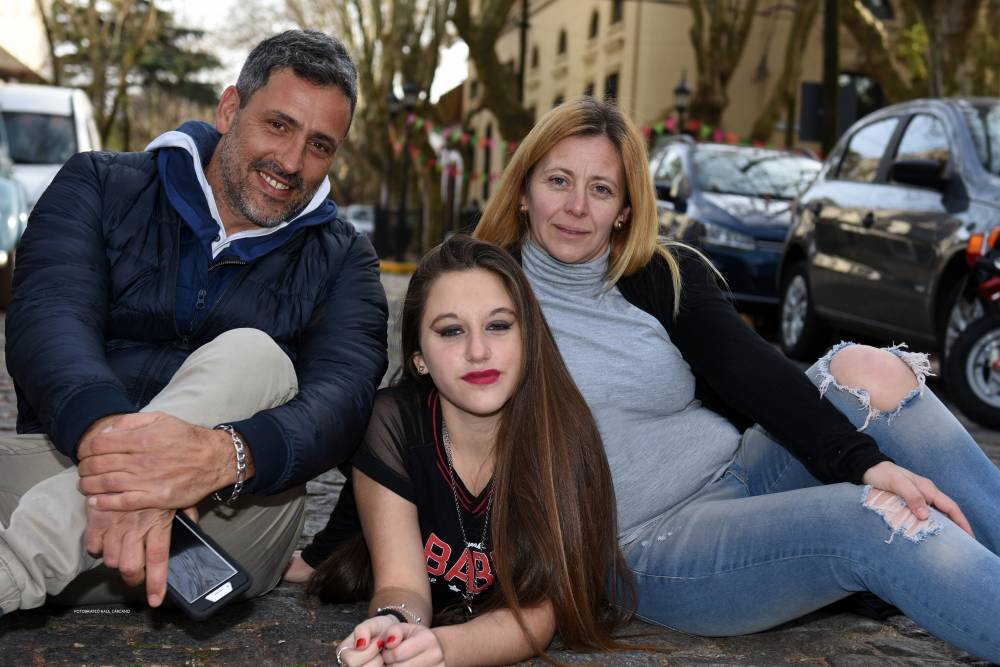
x=91, y=330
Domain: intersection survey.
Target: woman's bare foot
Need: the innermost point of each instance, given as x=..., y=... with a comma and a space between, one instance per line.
x=298, y=571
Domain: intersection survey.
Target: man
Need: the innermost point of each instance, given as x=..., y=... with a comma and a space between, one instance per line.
x=194, y=329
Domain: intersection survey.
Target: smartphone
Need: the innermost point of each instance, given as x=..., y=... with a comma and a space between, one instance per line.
x=202, y=577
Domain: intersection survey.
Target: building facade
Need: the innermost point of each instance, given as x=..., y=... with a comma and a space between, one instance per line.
x=636, y=52
x=24, y=54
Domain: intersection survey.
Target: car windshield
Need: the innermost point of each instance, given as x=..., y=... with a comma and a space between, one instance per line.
x=754, y=173
x=37, y=138
x=983, y=121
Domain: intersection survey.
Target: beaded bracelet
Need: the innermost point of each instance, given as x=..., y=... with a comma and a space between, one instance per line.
x=399, y=611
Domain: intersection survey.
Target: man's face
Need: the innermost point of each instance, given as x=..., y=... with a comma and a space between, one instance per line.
x=275, y=151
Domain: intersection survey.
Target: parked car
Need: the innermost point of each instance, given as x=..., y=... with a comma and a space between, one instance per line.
x=733, y=203
x=13, y=218
x=45, y=125
x=362, y=216
x=878, y=241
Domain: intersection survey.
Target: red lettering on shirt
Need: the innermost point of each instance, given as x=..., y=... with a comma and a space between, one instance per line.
x=436, y=552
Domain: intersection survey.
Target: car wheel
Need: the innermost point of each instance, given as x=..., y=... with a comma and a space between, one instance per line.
x=973, y=372
x=803, y=334
x=961, y=314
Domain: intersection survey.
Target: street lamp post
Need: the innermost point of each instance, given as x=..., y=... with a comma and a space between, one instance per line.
x=383, y=233
x=682, y=101
x=409, y=103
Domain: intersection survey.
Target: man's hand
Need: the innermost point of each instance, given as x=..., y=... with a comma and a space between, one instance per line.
x=137, y=544
x=153, y=460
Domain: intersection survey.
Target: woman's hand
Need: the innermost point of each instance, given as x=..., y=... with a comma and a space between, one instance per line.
x=364, y=645
x=917, y=491
x=415, y=645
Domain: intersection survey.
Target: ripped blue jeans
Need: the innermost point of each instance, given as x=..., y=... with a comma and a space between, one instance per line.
x=767, y=542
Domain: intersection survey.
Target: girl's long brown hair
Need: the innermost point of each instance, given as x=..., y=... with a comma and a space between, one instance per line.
x=554, y=523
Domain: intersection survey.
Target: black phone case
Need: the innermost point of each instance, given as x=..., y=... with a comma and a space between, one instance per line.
x=202, y=608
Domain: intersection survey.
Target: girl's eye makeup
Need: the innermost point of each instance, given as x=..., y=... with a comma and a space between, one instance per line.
x=450, y=331
x=500, y=325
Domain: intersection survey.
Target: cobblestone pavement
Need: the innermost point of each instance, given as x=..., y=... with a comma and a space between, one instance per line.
x=283, y=629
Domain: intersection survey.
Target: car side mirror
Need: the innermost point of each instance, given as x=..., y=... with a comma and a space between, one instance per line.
x=919, y=172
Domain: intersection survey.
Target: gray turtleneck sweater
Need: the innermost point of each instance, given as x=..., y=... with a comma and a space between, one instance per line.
x=662, y=444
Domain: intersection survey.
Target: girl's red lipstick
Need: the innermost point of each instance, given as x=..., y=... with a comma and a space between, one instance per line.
x=482, y=377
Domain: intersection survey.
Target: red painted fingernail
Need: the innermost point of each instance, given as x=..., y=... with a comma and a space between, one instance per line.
x=391, y=639
x=361, y=643
x=381, y=644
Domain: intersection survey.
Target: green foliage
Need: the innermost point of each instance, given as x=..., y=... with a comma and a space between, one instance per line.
x=911, y=50
x=123, y=52
x=173, y=62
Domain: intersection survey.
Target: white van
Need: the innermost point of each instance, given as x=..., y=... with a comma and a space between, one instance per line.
x=45, y=126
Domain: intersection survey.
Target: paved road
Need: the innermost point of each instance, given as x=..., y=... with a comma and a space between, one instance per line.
x=283, y=629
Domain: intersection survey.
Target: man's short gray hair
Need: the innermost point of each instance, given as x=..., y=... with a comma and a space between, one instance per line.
x=314, y=56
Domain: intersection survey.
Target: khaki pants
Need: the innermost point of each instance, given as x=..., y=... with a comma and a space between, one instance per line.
x=44, y=520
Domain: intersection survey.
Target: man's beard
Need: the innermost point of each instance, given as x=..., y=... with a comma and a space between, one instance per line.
x=237, y=190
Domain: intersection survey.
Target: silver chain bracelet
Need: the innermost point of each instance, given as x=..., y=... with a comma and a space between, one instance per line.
x=241, y=464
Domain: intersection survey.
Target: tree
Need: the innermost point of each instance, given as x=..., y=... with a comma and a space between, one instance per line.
x=499, y=81
x=98, y=45
x=719, y=32
x=141, y=70
x=391, y=41
x=930, y=52
x=783, y=93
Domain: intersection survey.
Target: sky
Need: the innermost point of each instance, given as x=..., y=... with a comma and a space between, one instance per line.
x=211, y=16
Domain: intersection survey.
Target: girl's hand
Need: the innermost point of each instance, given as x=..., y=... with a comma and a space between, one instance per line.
x=412, y=645
x=917, y=491
x=364, y=645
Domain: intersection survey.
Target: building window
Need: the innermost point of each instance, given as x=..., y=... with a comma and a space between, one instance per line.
x=534, y=57
x=616, y=11
x=561, y=49
x=558, y=100
x=595, y=20
x=473, y=89
x=611, y=87
x=589, y=90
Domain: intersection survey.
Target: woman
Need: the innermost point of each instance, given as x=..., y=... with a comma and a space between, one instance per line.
x=482, y=486
x=726, y=530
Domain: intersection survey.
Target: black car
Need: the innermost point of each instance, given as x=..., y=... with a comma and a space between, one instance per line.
x=733, y=203
x=878, y=241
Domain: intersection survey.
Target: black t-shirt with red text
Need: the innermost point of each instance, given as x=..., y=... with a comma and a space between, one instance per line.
x=403, y=451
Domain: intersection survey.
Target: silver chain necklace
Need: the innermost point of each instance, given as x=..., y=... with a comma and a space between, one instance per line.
x=481, y=544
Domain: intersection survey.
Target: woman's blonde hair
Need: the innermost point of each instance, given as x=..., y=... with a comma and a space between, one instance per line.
x=631, y=247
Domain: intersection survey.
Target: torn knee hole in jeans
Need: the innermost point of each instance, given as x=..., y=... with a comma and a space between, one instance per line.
x=897, y=516
x=918, y=362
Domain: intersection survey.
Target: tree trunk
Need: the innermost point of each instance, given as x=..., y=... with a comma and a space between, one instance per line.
x=875, y=48
x=50, y=41
x=949, y=27
x=719, y=31
x=498, y=81
x=784, y=92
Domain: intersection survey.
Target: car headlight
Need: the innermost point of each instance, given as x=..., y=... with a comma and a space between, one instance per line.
x=724, y=236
